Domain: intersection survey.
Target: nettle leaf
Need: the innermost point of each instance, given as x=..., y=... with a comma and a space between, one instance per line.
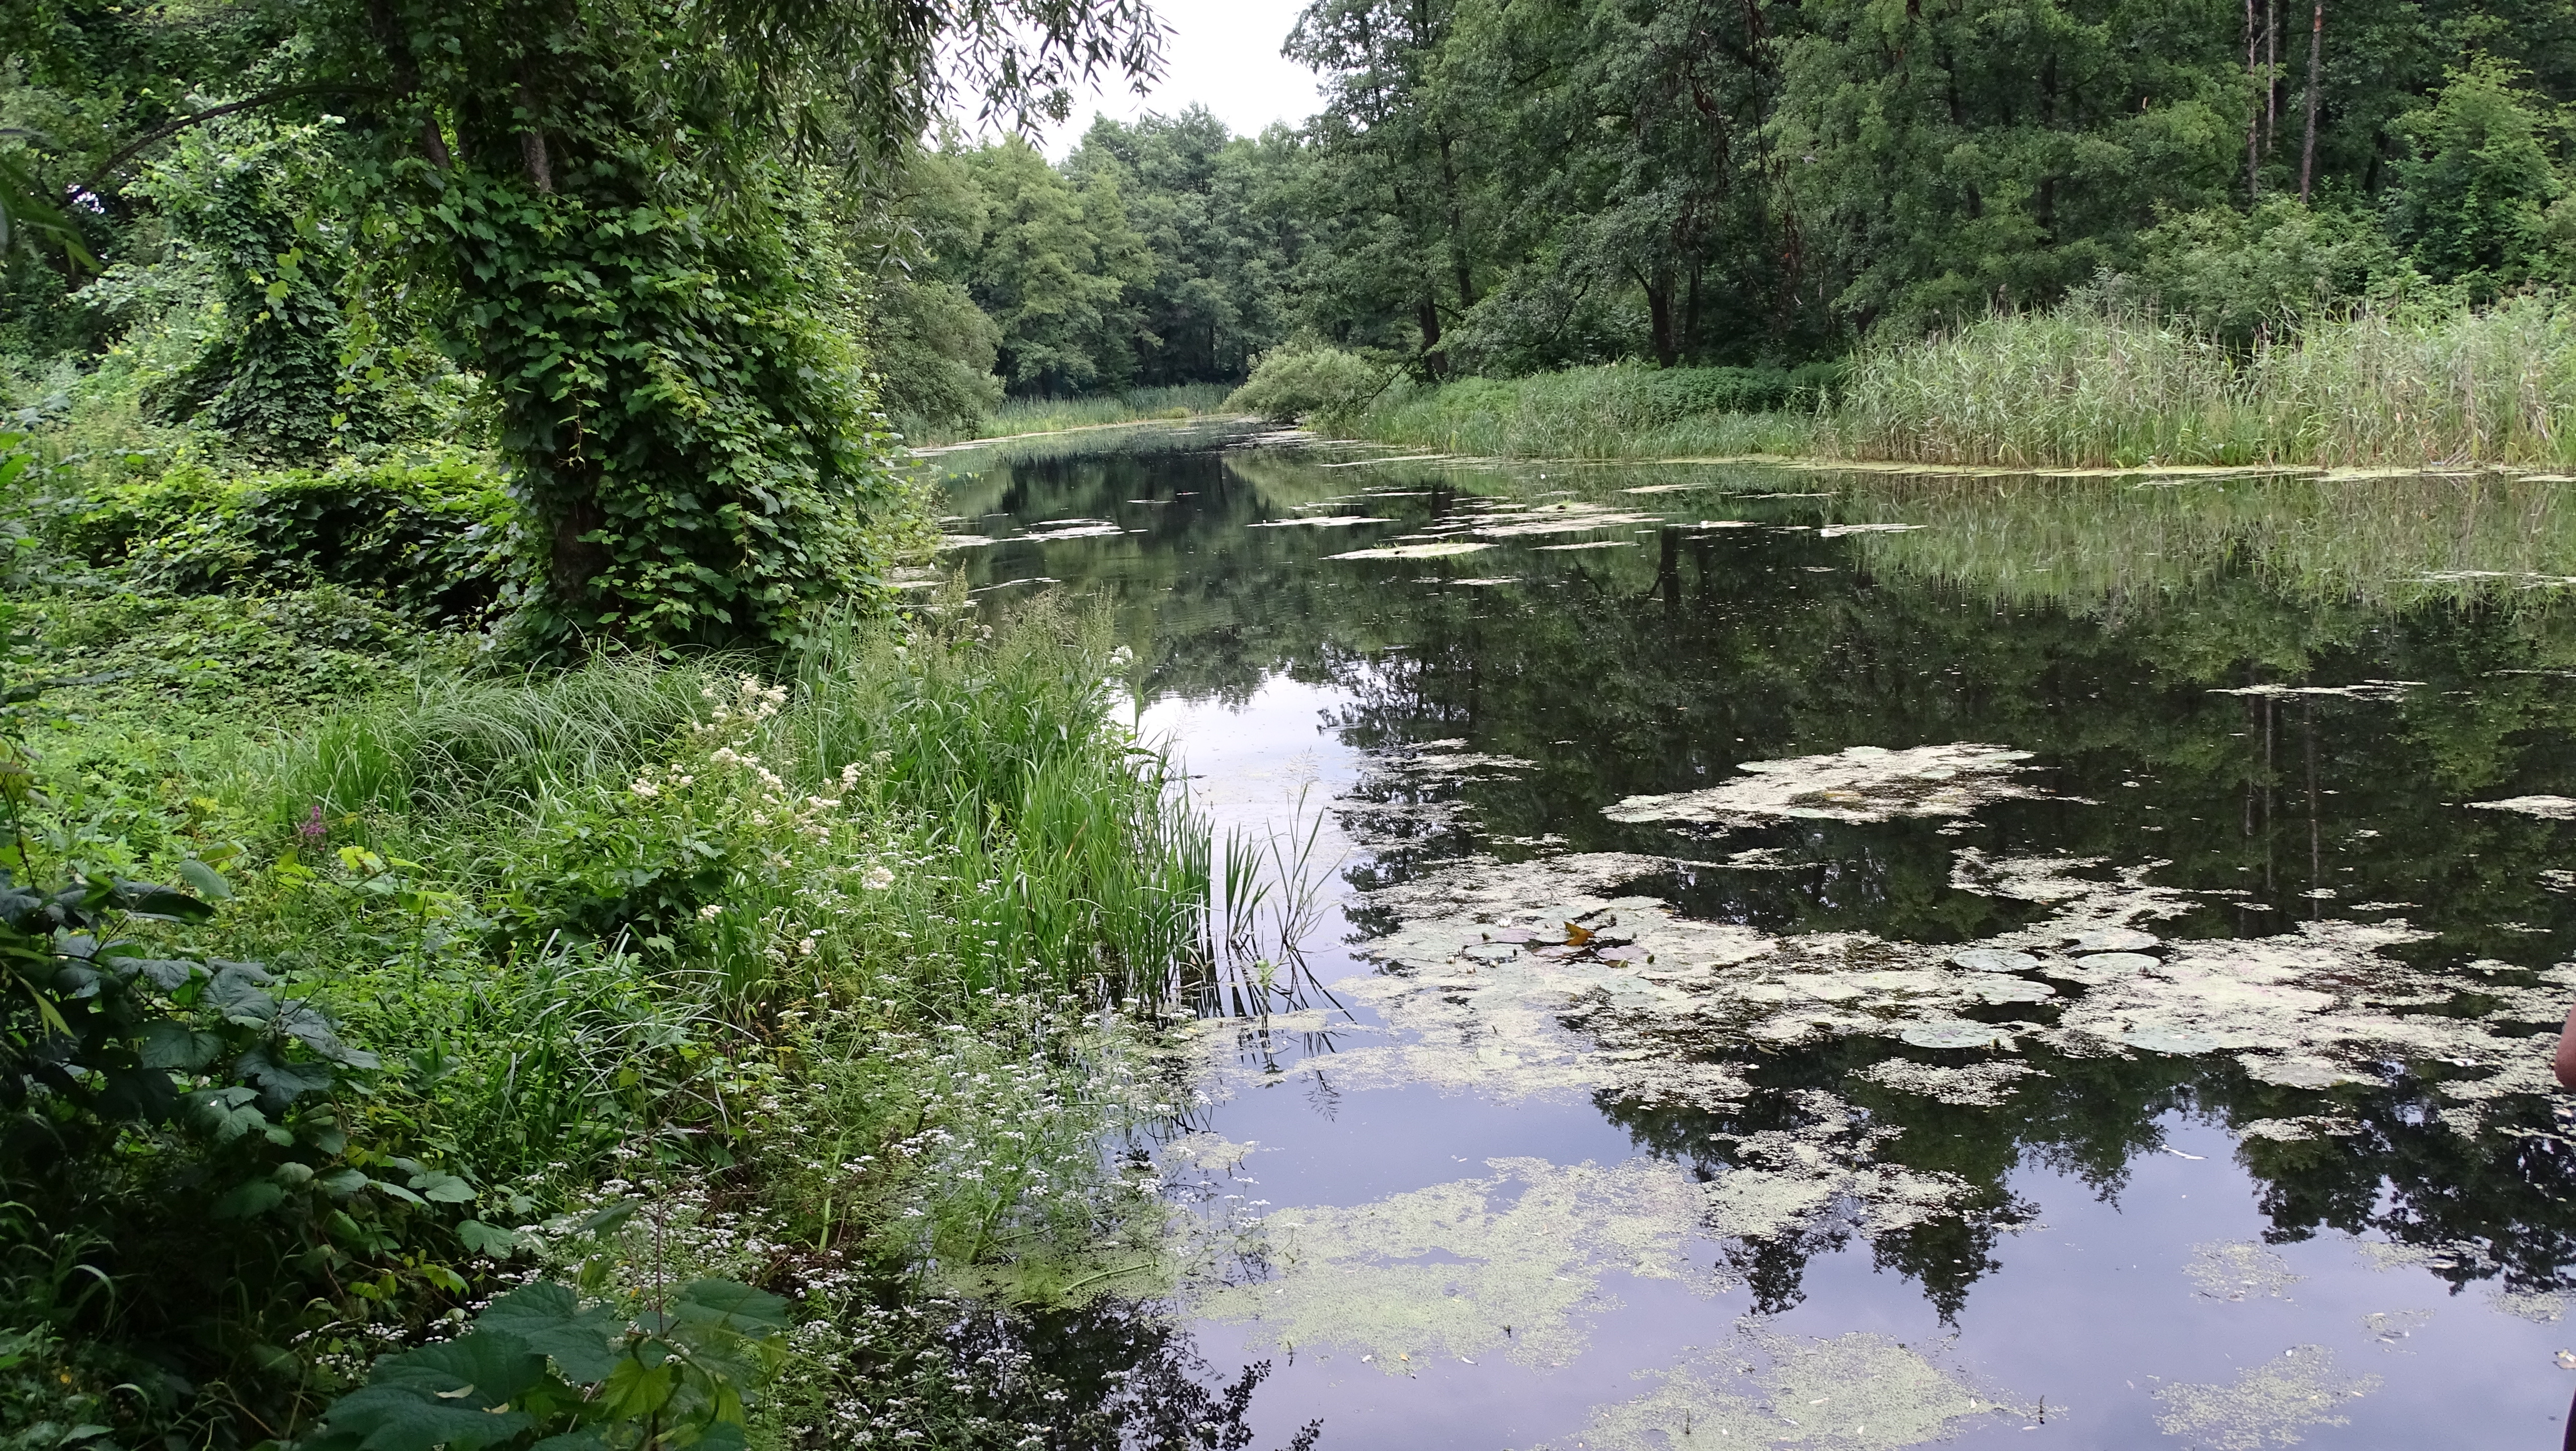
x=341, y=1183
x=552, y=1320
x=307, y=1025
x=235, y=992
x=455, y=1395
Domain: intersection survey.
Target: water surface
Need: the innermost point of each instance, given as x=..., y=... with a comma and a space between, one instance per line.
x=2141, y=1040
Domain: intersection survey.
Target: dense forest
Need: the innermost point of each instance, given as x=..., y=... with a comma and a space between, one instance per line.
x=1491, y=188
x=1504, y=188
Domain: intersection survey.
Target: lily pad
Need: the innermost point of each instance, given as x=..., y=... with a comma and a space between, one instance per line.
x=1954, y=1033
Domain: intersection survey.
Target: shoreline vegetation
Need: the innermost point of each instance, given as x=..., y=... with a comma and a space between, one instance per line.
x=2076, y=387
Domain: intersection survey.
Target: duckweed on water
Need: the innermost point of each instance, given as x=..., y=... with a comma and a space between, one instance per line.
x=1863, y=783
x=1506, y=1265
x=1857, y=1392
x=2238, y=1271
x=2266, y=1405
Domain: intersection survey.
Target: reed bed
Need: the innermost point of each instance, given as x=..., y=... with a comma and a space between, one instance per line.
x=2080, y=386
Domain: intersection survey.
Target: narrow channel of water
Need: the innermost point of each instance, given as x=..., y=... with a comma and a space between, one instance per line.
x=1833, y=959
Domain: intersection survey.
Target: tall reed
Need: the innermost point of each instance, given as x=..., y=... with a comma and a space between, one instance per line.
x=2085, y=386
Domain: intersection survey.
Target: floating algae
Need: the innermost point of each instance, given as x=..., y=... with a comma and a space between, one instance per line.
x=1511, y=1264
x=2555, y=808
x=1543, y=977
x=2266, y=1405
x=2366, y=690
x=1441, y=550
x=1863, y=783
x=1320, y=521
x=1859, y=1391
x=2232, y=1270
x=1979, y=1085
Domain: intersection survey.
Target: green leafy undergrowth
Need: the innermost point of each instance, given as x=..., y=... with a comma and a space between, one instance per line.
x=427, y=535
x=542, y=1366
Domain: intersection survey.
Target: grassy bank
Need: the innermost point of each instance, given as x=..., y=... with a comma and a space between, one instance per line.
x=2077, y=387
x=1018, y=416
x=803, y=972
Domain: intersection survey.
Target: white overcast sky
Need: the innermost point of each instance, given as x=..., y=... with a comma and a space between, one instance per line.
x=1221, y=54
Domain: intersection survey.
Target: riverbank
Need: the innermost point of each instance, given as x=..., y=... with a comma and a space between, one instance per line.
x=1022, y=417
x=2070, y=388
x=801, y=972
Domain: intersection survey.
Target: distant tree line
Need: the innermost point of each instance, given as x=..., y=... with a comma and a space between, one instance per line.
x=1506, y=186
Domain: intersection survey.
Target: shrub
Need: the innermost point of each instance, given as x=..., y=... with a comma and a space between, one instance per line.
x=1297, y=381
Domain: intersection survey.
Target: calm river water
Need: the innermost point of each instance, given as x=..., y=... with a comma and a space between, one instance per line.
x=1849, y=959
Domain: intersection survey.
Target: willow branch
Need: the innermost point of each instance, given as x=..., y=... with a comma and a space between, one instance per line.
x=158, y=134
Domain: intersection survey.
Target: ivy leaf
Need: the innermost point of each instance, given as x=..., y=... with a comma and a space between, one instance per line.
x=550, y=1318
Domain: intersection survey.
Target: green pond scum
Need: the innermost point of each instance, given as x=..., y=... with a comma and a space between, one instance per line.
x=1854, y=957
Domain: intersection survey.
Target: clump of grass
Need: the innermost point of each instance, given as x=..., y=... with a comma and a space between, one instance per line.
x=1622, y=410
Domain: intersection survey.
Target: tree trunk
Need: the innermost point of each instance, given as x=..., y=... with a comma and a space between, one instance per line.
x=2316, y=65
x=2253, y=118
x=1433, y=362
x=2271, y=73
x=1659, y=314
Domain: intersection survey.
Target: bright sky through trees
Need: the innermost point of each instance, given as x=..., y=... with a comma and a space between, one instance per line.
x=1221, y=54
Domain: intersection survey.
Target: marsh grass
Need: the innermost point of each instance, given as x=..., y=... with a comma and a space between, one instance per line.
x=2087, y=386
x=2080, y=386
x=1019, y=416
x=961, y=795
x=1621, y=410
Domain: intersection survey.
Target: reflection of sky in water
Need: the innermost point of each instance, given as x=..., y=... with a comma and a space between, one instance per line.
x=2298, y=805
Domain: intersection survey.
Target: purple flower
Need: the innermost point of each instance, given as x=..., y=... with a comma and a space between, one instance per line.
x=313, y=830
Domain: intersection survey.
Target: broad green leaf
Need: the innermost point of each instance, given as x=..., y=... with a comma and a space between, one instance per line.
x=144, y=899
x=550, y=1318
x=208, y=882
x=439, y=1188
x=487, y=1239
x=243, y=1201
x=450, y=1395
x=169, y=1043
x=730, y=1306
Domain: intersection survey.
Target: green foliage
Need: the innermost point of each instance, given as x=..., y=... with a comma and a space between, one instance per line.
x=1620, y=410
x=1056, y=268
x=2474, y=190
x=540, y=1365
x=427, y=534
x=932, y=351
x=1293, y=381
x=2235, y=275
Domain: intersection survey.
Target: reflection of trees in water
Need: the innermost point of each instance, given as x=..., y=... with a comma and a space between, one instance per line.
x=1630, y=671
x=1108, y=1376
x=2500, y=1207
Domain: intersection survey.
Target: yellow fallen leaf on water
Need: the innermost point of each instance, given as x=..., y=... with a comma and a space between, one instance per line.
x=1576, y=936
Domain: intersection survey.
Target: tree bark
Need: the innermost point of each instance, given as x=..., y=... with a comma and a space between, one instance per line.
x=2271, y=74
x=2253, y=118
x=2316, y=71
x=1433, y=362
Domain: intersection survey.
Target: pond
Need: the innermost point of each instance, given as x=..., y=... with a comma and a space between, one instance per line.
x=1842, y=958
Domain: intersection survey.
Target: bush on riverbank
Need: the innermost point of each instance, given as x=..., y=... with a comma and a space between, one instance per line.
x=649, y=969
x=2086, y=384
